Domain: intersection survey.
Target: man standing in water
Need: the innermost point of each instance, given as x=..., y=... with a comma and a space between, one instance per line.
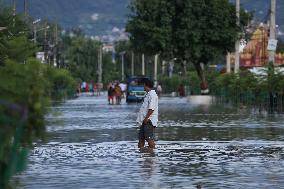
x=148, y=116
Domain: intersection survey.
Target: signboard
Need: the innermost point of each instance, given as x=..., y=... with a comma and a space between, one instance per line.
x=272, y=45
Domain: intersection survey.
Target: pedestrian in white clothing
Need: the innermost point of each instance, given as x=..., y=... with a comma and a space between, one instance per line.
x=148, y=116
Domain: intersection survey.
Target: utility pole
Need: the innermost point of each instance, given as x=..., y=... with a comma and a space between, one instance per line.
x=45, y=46
x=122, y=65
x=132, y=63
x=143, y=64
x=14, y=13
x=100, y=60
x=55, y=45
x=156, y=68
x=26, y=8
x=272, y=35
x=237, y=45
x=228, y=62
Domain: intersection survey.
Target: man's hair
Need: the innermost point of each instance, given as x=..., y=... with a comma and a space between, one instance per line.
x=149, y=83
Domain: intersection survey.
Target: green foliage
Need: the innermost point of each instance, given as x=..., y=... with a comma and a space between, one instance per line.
x=191, y=30
x=29, y=86
x=81, y=57
x=111, y=71
x=171, y=84
x=14, y=42
x=25, y=84
x=61, y=83
x=194, y=84
x=248, y=83
x=150, y=26
x=26, y=88
x=17, y=49
x=191, y=80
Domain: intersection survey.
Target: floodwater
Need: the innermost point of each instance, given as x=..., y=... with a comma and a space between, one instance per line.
x=94, y=145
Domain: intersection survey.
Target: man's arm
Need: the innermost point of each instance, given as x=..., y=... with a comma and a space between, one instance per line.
x=147, y=116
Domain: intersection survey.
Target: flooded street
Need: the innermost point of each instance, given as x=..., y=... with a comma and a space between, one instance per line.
x=94, y=145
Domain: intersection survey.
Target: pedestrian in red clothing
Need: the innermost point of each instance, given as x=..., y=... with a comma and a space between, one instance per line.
x=87, y=87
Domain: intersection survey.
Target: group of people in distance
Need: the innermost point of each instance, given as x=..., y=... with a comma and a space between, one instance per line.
x=91, y=87
x=116, y=91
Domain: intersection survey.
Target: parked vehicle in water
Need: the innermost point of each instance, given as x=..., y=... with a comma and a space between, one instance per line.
x=135, y=89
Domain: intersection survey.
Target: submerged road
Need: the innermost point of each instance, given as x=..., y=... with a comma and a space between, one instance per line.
x=94, y=145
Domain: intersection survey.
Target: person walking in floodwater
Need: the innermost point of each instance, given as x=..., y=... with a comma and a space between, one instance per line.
x=148, y=116
x=117, y=93
x=181, y=90
x=110, y=94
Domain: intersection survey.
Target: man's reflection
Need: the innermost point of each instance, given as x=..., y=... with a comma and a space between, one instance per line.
x=149, y=158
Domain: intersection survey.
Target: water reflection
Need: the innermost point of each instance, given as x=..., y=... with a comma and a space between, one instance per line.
x=215, y=147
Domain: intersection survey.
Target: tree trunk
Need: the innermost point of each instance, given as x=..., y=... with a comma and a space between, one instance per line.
x=203, y=85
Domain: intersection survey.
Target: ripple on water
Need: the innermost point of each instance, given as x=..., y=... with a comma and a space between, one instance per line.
x=93, y=145
x=104, y=165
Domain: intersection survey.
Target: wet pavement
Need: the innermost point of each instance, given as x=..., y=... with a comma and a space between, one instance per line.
x=94, y=145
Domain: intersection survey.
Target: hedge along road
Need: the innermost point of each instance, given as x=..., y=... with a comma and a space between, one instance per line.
x=94, y=145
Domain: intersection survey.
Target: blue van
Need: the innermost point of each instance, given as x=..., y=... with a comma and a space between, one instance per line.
x=135, y=89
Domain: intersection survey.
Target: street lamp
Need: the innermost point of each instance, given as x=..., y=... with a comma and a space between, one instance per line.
x=36, y=21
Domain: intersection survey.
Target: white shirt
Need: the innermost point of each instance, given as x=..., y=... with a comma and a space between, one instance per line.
x=122, y=86
x=150, y=102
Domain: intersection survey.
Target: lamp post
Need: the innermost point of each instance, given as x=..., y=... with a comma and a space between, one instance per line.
x=122, y=65
x=26, y=8
x=14, y=12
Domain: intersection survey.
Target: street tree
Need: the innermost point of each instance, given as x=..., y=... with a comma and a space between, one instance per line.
x=196, y=31
x=14, y=42
x=150, y=26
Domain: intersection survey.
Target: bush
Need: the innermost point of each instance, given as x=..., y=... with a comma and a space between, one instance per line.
x=26, y=88
x=61, y=83
x=171, y=84
x=32, y=86
x=25, y=85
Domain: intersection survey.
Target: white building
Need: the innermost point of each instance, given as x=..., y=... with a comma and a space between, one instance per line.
x=108, y=48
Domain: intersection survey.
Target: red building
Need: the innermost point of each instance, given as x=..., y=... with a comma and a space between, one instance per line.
x=255, y=53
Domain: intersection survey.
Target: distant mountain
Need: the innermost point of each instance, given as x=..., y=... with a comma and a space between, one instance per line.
x=108, y=17
x=95, y=17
